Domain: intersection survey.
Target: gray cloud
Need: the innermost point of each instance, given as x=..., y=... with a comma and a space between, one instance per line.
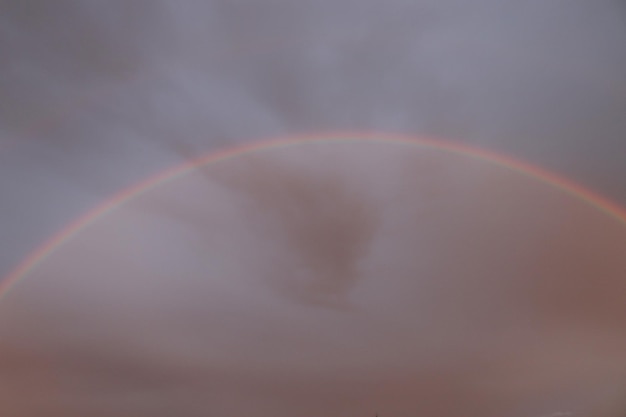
x=327, y=225
x=337, y=279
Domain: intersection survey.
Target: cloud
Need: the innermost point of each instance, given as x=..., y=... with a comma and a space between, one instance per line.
x=337, y=280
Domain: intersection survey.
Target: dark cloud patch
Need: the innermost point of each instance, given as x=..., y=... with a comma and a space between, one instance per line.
x=324, y=225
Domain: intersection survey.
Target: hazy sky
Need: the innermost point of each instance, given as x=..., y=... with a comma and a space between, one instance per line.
x=336, y=280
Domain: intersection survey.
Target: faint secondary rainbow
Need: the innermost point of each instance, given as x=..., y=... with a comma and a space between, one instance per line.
x=550, y=179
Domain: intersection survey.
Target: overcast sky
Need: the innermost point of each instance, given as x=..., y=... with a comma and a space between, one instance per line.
x=335, y=279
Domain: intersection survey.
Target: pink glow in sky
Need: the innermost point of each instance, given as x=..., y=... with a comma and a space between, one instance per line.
x=332, y=277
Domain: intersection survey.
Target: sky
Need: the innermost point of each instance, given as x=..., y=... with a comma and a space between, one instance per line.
x=338, y=279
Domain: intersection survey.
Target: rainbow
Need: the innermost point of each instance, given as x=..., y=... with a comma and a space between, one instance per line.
x=563, y=185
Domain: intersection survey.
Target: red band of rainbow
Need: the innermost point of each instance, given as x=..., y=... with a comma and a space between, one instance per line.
x=563, y=185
